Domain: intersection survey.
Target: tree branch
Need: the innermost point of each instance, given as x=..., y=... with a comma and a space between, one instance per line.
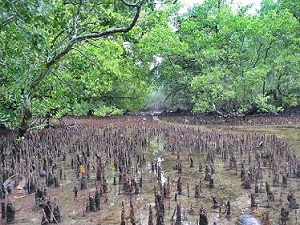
x=114, y=30
x=74, y=31
x=92, y=44
x=129, y=4
x=84, y=55
x=267, y=50
x=7, y=21
x=56, y=37
x=258, y=54
x=78, y=39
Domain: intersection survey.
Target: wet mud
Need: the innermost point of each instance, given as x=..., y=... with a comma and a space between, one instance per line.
x=171, y=165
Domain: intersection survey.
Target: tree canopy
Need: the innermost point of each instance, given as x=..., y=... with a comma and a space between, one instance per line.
x=57, y=55
x=233, y=62
x=107, y=57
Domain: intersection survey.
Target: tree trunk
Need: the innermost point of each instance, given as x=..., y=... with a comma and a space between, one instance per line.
x=26, y=116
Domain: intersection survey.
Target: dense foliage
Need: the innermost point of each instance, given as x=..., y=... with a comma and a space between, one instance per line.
x=68, y=57
x=233, y=62
x=106, y=57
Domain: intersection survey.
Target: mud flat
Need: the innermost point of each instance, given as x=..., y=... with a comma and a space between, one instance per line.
x=132, y=163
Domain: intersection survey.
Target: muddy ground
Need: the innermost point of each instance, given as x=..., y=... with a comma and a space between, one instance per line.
x=162, y=142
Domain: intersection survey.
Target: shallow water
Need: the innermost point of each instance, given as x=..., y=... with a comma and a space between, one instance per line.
x=167, y=141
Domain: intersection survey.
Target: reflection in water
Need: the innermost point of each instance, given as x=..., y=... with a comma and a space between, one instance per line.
x=162, y=173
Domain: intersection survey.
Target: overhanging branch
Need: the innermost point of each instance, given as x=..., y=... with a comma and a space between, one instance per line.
x=129, y=4
x=77, y=39
x=138, y=7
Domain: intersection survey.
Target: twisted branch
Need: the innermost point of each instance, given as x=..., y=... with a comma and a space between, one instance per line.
x=77, y=39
